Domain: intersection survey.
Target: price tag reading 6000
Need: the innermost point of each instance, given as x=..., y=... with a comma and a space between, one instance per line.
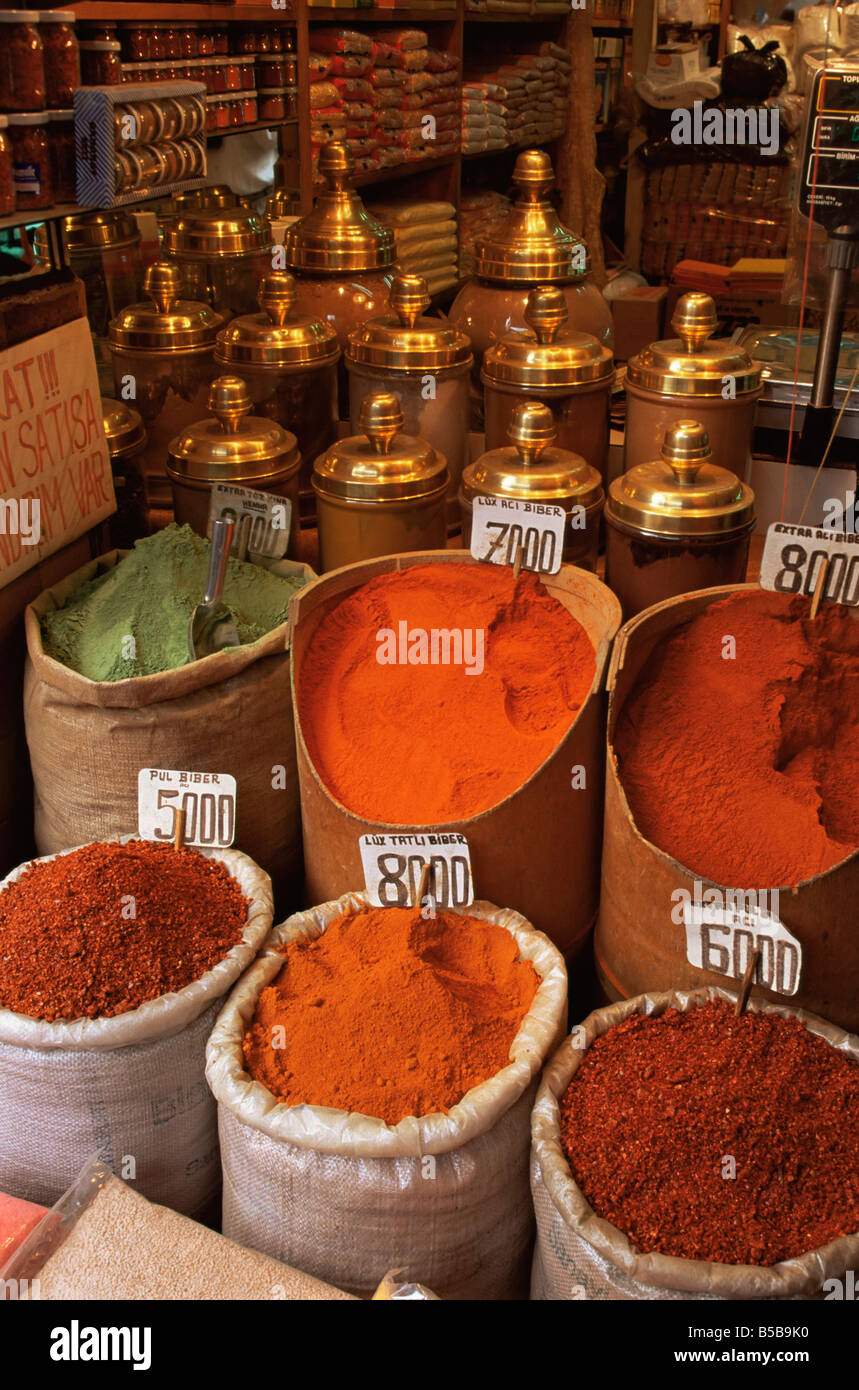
x=207, y=798
x=393, y=865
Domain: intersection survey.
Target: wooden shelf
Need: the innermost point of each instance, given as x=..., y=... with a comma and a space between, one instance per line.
x=115, y=11
x=520, y=145
x=613, y=24
x=30, y=216
x=391, y=17
x=403, y=171
x=490, y=17
x=246, y=129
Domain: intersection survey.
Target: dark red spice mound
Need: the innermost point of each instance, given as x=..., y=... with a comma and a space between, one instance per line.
x=71, y=948
x=658, y=1106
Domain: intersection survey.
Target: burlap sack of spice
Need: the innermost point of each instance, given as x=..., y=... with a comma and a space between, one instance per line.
x=104, y=1241
x=128, y=1088
x=579, y=1255
x=228, y=713
x=347, y=1197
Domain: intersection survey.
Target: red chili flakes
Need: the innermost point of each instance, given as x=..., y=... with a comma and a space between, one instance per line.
x=659, y=1106
x=99, y=931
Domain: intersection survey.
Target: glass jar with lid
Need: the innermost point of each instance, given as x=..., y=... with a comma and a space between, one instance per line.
x=61, y=138
x=61, y=56
x=570, y=372
x=126, y=441
x=101, y=65
x=32, y=173
x=677, y=523
x=22, y=67
x=532, y=468
x=427, y=364
x=235, y=448
x=223, y=254
x=692, y=375
x=380, y=492
x=103, y=249
x=532, y=247
x=289, y=363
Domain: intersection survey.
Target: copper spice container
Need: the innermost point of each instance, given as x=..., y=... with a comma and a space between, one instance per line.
x=126, y=440
x=677, y=524
x=103, y=250
x=572, y=373
x=532, y=468
x=696, y=375
x=235, y=448
x=223, y=253
x=381, y=492
x=289, y=364
x=426, y=363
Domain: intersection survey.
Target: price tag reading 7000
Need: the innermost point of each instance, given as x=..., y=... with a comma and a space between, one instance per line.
x=393, y=865
x=793, y=555
x=500, y=526
x=207, y=798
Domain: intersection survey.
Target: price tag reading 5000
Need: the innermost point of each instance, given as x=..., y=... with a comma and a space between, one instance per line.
x=207, y=798
x=393, y=865
x=793, y=556
x=501, y=525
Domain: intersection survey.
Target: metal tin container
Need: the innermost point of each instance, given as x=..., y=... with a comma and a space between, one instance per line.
x=103, y=250
x=236, y=448
x=570, y=372
x=696, y=375
x=426, y=363
x=126, y=440
x=677, y=524
x=289, y=363
x=380, y=492
x=532, y=469
x=223, y=253
x=533, y=247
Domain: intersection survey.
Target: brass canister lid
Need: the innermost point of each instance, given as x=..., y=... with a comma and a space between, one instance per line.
x=166, y=323
x=123, y=427
x=405, y=341
x=339, y=234
x=99, y=230
x=533, y=244
x=530, y=469
x=382, y=464
x=281, y=203
x=683, y=493
x=234, y=446
x=694, y=363
x=217, y=234
x=548, y=356
x=216, y=195
x=278, y=337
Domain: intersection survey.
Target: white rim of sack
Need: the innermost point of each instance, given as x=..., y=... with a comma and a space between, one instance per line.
x=169, y=1013
x=355, y=1135
x=802, y=1275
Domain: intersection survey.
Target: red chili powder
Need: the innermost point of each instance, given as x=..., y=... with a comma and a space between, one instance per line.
x=390, y=1014
x=744, y=768
x=70, y=948
x=410, y=744
x=659, y=1107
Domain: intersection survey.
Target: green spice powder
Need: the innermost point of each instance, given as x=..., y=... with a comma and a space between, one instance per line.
x=149, y=597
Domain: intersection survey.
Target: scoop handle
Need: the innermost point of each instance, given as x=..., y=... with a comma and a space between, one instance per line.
x=222, y=539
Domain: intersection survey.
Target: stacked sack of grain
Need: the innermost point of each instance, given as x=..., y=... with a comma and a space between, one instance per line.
x=484, y=117
x=531, y=89
x=426, y=238
x=480, y=216
x=416, y=97
x=341, y=105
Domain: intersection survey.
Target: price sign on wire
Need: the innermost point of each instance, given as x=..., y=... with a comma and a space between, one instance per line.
x=394, y=864
x=500, y=525
x=262, y=521
x=207, y=798
x=793, y=556
x=722, y=939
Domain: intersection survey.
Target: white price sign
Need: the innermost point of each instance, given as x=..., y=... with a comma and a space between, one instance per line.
x=500, y=525
x=207, y=798
x=393, y=865
x=722, y=939
x=793, y=555
x=262, y=521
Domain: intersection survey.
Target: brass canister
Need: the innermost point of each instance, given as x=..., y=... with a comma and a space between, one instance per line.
x=380, y=492
x=223, y=253
x=236, y=448
x=126, y=440
x=103, y=250
x=426, y=363
x=570, y=372
x=677, y=524
x=692, y=375
x=533, y=469
x=289, y=363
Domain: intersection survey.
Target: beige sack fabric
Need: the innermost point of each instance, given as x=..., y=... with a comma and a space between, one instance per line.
x=347, y=1197
x=228, y=713
x=131, y=1087
x=579, y=1255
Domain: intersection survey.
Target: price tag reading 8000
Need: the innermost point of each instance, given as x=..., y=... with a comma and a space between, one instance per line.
x=500, y=526
x=793, y=556
x=207, y=798
x=394, y=864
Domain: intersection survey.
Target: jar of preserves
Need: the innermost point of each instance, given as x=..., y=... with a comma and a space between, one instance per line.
x=171, y=41
x=22, y=68
x=126, y=442
x=276, y=71
x=219, y=74
x=138, y=43
x=220, y=38
x=235, y=106
x=251, y=41
x=532, y=468
x=61, y=138
x=676, y=524
x=276, y=103
x=232, y=74
x=402, y=353
x=217, y=112
x=570, y=372
x=223, y=253
x=31, y=159
x=249, y=106
x=7, y=184
x=100, y=63
x=92, y=31
x=205, y=40
x=189, y=39
x=61, y=56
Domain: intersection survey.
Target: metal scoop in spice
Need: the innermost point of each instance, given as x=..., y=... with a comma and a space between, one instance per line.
x=212, y=626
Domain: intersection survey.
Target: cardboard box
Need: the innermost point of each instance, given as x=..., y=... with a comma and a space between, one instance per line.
x=639, y=318
x=674, y=62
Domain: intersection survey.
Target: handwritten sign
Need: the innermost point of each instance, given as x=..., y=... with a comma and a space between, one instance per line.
x=55, y=478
